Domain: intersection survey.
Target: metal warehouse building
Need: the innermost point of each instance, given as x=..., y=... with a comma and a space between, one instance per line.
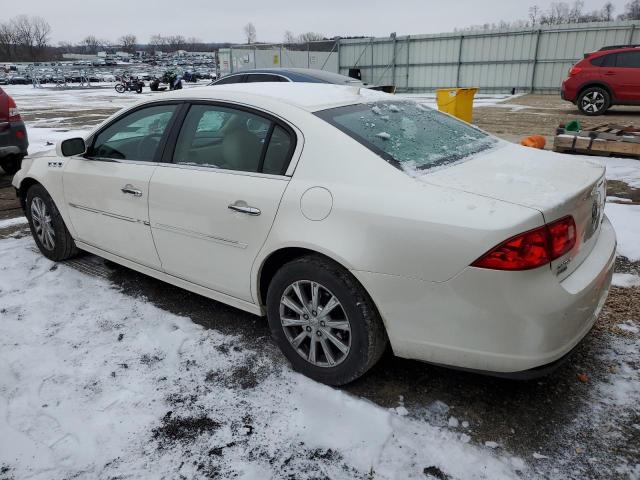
x=529, y=59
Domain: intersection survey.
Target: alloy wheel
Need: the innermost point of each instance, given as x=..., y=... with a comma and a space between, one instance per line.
x=41, y=219
x=593, y=102
x=315, y=323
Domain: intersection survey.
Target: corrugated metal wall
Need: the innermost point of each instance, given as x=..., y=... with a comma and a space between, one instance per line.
x=495, y=61
x=246, y=57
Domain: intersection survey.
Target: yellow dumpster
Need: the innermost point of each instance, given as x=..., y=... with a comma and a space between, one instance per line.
x=457, y=102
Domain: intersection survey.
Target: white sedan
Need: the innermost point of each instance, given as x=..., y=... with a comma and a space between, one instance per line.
x=352, y=219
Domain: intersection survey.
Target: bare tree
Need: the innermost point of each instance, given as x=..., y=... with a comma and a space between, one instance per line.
x=250, y=33
x=175, y=42
x=631, y=11
x=607, y=12
x=92, y=44
x=128, y=42
x=311, y=37
x=534, y=14
x=290, y=37
x=7, y=41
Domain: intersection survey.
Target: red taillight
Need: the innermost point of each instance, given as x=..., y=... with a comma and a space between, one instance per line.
x=562, y=235
x=14, y=114
x=531, y=249
x=19, y=134
x=574, y=71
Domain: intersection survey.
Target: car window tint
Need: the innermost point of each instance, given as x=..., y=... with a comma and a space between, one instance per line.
x=278, y=153
x=609, y=60
x=628, y=60
x=408, y=135
x=263, y=77
x=136, y=136
x=221, y=137
x=229, y=80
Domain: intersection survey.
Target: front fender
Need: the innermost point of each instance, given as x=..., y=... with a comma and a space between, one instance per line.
x=47, y=170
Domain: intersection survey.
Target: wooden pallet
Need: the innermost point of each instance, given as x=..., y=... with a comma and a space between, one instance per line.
x=603, y=140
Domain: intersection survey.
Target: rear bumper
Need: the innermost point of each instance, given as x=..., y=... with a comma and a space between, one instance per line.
x=568, y=91
x=10, y=141
x=494, y=321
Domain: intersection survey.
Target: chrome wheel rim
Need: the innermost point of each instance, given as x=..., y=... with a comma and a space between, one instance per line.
x=315, y=323
x=593, y=102
x=42, y=223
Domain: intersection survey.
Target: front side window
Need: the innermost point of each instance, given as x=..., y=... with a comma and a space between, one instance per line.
x=408, y=135
x=232, y=139
x=136, y=136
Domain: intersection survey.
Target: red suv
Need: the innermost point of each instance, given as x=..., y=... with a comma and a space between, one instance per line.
x=13, y=135
x=610, y=76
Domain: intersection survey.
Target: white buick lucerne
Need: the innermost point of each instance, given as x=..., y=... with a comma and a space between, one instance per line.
x=351, y=218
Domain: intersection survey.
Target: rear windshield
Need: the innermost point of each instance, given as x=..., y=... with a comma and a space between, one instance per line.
x=408, y=135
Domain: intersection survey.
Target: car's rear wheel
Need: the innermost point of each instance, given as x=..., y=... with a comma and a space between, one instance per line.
x=324, y=322
x=594, y=101
x=47, y=227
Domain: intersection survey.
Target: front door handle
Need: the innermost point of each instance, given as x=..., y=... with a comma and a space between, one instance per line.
x=131, y=190
x=244, y=208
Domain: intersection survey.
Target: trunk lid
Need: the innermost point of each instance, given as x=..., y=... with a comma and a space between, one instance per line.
x=554, y=184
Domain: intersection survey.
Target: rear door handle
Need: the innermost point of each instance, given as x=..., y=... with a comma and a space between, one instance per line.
x=610, y=73
x=131, y=190
x=244, y=208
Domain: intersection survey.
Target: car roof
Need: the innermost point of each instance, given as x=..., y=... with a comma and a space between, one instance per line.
x=311, y=97
x=323, y=76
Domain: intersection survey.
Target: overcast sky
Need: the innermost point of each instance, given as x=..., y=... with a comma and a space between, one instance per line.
x=72, y=20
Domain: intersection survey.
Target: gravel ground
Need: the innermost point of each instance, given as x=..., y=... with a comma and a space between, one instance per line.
x=565, y=424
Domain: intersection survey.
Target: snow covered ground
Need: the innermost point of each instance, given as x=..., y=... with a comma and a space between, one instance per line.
x=99, y=383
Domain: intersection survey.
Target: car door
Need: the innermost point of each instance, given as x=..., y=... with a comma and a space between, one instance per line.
x=106, y=190
x=627, y=76
x=211, y=209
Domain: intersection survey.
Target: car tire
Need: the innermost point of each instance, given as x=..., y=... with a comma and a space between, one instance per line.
x=354, y=323
x=47, y=226
x=11, y=164
x=594, y=101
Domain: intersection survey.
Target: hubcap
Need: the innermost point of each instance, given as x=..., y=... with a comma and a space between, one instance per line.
x=593, y=102
x=42, y=223
x=315, y=323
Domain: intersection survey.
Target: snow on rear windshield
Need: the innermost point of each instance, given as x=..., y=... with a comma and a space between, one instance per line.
x=407, y=134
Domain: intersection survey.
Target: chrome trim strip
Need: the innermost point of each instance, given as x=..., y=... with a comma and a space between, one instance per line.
x=183, y=166
x=108, y=214
x=201, y=236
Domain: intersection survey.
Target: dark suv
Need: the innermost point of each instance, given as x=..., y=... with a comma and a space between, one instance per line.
x=610, y=76
x=13, y=135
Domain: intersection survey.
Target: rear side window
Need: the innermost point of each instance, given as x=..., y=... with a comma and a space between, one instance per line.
x=263, y=77
x=229, y=80
x=228, y=138
x=604, y=61
x=628, y=60
x=408, y=135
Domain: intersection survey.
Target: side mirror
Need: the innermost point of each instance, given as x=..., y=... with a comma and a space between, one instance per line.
x=71, y=147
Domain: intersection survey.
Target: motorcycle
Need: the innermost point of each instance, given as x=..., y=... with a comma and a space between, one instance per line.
x=128, y=84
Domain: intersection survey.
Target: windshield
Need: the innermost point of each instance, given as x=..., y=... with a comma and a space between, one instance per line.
x=407, y=134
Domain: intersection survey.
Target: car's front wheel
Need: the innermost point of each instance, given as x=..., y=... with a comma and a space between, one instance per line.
x=324, y=321
x=594, y=101
x=47, y=227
